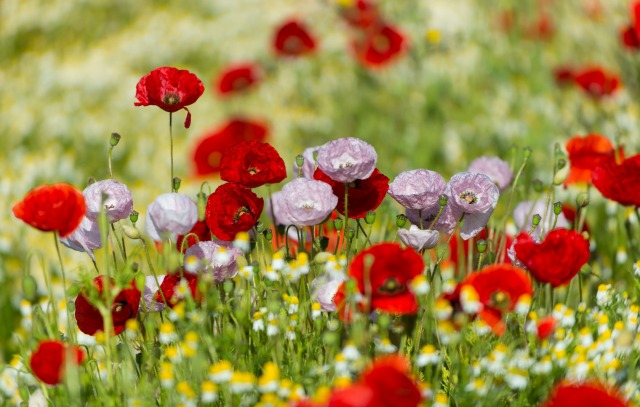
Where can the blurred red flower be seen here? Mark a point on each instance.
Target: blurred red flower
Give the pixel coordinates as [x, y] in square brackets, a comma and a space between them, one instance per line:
[49, 359]
[379, 45]
[170, 89]
[361, 14]
[252, 164]
[168, 288]
[586, 153]
[619, 182]
[596, 81]
[564, 75]
[208, 153]
[364, 195]
[292, 39]
[124, 307]
[584, 394]
[386, 383]
[383, 272]
[557, 259]
[58, 207]
[542, 29]
[630, 35]
[546, 327]
[232, 208]
[237, 78]
[201, 232]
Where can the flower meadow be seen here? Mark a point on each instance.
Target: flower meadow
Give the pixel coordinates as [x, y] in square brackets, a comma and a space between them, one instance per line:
[398, 204]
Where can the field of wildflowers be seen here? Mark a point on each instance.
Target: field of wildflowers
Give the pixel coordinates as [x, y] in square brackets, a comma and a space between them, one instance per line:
[320, 203]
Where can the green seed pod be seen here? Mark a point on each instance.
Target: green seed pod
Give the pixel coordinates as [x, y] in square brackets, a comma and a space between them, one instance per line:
[115, 139]
[134, 217]
[535, 221]
[337, 224]
[370, 218]
[176, 183]
[401, 220]
[481, 246]
[557, 208]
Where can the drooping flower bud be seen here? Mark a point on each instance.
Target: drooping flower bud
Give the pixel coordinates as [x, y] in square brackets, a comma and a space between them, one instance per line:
[115, 139]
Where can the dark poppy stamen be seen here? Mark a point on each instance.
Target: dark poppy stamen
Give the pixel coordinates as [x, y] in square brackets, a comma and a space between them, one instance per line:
[171, 99]
[242, 211]
[391, 286]
[470, 197]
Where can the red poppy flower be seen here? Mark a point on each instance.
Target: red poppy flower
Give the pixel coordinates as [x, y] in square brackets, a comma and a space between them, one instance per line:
[542, 29]
[387, 277]
[564, 75]
[629, 37]
[124, 307]
[364, 195]
[208, 153]
[201, 232]
[361, 14]
[231, 209]
[557, 259]
[292, 39]
[170, 89]
[237, 78]
[597, 82]
[49, 359]
[584, 394]
[49, 208]
[380, 45]
[619, 182]
[168, 288]
[499, 287]
[251, 163]
[570, 213]
[385, 383]
[587, 153]
[546, 326]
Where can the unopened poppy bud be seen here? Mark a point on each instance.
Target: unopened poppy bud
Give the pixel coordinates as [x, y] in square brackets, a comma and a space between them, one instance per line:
[481, 245]
[370, 217]
[299, 163]
[351, 233]
[228, 286]
[90, 181]
[557, 208]
[561, 175]
[538, 186]
[527, 152]
[131, 232]
[176, 183]
[401, 220]
[260, 227]
[337, 224]
[268, 234]
[442, 200]
[535, 221]
[582, 200]
[115, 139]
[140, 280]
[29, 288]
[561, 163]
[202, 205]
[134, 217]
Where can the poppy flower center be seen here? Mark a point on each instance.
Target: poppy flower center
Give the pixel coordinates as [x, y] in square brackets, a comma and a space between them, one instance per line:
[214, 159]
[381, 43]
[120, 307]
[391, 286]
[243, 210]
[171, 99]
[241, 83]
[306, 205]
[292, 45]
[253, 170]
[500, 300]
[470, 197]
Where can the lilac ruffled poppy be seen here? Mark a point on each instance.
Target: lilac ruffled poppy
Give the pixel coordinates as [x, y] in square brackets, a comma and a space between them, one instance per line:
[216, 257]
[419, 239]
[523, 217]
[417, 189]
[474, 195]
[309, 166]
[307, 202]
[496, 169]
[347, 159]
[151, 287]
[324, 288]
[446, 221]
[117, 205]
[86, 238]
[170, 215]
[275, 208]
